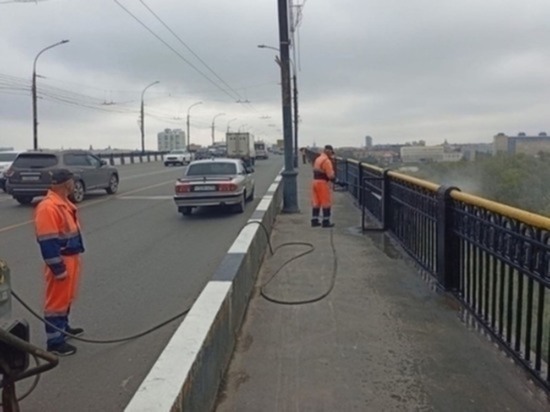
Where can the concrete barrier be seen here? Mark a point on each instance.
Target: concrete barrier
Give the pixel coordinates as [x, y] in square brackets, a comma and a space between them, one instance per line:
[188, 373]
[122, 158]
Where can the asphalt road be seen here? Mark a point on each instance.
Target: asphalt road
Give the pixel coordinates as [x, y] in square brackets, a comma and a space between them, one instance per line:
[144, 263]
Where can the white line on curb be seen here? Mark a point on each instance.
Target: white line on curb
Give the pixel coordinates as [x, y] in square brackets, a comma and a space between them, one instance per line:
[163, 384]
[243, 241]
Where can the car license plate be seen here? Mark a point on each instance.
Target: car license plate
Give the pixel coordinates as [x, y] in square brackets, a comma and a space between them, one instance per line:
[30, 178]
[205, 188]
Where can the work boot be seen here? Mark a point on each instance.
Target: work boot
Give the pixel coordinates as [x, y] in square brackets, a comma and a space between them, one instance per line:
[315, 223]
[74, 331]
[63, 349]
[327, 223]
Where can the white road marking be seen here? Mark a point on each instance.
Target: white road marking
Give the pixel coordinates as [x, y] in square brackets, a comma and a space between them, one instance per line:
[158, 172]
[145, 197]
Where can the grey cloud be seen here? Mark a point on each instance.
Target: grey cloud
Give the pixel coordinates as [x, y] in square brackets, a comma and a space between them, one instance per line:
[389, 68]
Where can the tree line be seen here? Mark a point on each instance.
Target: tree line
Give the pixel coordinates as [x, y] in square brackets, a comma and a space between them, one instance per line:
[521, 181]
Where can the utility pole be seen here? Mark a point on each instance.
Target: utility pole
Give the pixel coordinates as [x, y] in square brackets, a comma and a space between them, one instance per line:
[295, 118]
[295, 92]
[290, 190]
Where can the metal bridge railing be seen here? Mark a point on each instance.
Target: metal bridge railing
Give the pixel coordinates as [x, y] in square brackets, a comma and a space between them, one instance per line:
[493, 258]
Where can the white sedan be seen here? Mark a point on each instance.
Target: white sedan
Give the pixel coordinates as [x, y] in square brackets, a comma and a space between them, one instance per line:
[214, 182]
[177, 157]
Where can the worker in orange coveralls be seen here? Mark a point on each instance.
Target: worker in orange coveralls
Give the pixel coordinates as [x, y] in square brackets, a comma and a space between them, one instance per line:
[321, 196]
[58, 234]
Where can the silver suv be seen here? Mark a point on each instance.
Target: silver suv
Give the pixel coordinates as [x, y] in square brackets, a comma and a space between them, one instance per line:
[28, 176]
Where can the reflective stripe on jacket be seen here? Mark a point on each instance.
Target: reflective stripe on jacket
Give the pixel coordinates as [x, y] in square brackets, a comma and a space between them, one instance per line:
[322, 168]
[57, 231]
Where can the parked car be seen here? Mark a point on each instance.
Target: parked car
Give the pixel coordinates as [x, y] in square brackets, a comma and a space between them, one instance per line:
[28, 176]
[6, 159]
[214, 182]
[177, 157]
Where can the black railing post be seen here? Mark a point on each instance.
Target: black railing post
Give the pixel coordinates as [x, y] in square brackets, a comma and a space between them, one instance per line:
[112, 159]
[122, 161]
[363, 210]
[386, 200]
[347, 171]
[447, 243]
[359, 188]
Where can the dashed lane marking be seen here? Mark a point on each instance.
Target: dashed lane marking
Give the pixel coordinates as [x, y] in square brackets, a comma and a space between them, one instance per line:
[92, 203]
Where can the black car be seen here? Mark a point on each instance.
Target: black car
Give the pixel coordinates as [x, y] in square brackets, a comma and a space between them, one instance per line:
[28, 176]
[203, 154]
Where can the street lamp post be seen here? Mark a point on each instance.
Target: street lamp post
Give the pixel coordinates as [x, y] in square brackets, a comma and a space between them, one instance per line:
[188, 130]
[229, 122]
[34, 108]
[213, 132]
[295, 100]
[143, 117]
[290, 190]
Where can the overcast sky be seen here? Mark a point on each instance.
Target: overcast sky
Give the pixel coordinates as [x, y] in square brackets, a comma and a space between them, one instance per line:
[397, 70]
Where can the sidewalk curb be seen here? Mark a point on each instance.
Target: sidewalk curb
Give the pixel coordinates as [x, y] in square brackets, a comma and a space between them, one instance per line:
[188, 372]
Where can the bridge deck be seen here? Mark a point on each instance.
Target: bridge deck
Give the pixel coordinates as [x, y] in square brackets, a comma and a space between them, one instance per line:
[382, 340]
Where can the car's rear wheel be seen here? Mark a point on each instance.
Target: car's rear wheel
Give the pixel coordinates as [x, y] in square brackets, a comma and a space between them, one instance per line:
[251, 197]
[186, 210]
[78, 192]
[24, 200]
[239, 208]
[113, 185]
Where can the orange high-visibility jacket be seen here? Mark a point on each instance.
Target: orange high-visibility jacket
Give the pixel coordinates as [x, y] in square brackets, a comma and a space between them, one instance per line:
[323, 172]
[57, 232]
[322, 168]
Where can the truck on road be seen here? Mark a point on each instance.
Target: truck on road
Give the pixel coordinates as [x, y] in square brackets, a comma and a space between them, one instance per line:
[261, 150]
[240, 145]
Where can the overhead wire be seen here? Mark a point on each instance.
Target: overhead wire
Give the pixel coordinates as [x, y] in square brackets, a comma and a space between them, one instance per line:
[189, 48]
[175, 51]
[238, 99]
[13, 85]
[84, 101]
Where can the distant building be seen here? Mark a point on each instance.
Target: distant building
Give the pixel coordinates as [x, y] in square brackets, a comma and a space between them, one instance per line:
[521, 144]
[171, 140]
[473, 150]
[423, 154]
[368, 142]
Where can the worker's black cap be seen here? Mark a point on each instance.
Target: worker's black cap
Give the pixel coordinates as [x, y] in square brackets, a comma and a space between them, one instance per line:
[60, 176]
[329, 147]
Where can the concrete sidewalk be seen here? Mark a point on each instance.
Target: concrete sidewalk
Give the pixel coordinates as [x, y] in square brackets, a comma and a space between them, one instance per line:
[383, 340]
